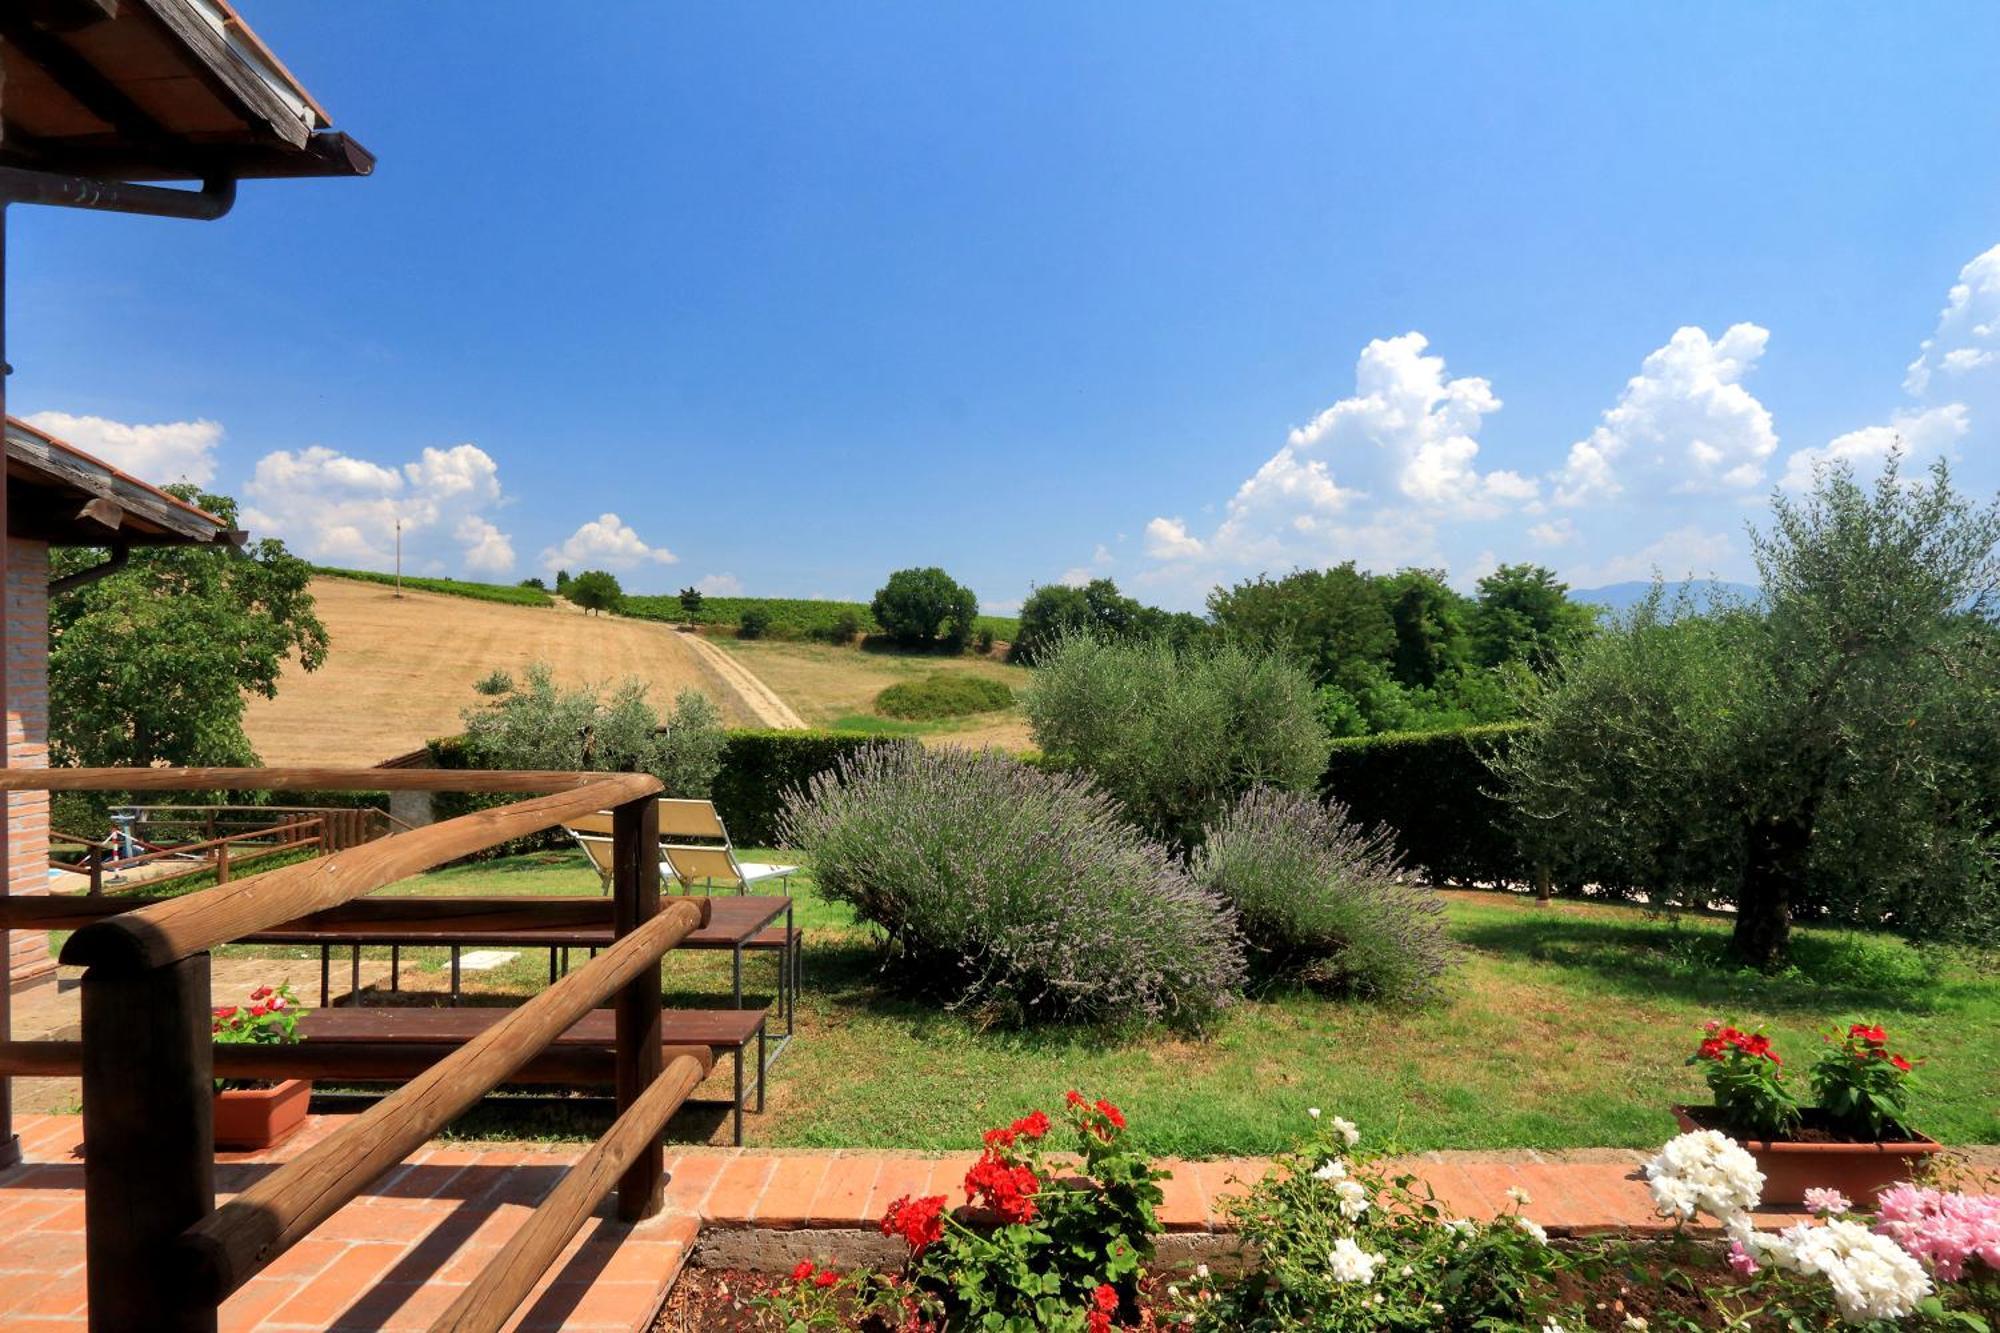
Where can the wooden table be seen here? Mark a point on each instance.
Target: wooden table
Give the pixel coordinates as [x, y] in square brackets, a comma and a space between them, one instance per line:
[735, 923]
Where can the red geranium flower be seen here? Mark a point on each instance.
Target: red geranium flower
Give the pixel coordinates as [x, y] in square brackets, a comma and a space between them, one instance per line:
[1007, 1190]
[1033, 1125]
[1075, 1098]
[826, 1279]
[1874, 1036]
[1106, 1297]
[1111, 1113]
[1900, 1063]
[918, 1221]
[803, 1271]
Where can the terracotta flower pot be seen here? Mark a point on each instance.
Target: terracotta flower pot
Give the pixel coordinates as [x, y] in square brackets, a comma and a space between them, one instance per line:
[247, 1118]
[1861, 1171]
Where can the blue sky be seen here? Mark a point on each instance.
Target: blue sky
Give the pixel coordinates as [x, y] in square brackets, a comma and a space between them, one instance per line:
[799, 294]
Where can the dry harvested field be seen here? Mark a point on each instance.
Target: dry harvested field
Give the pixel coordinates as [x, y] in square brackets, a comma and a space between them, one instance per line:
[400, 672]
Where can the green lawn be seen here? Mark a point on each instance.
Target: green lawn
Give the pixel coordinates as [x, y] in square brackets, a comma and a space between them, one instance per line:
[1566, 1027]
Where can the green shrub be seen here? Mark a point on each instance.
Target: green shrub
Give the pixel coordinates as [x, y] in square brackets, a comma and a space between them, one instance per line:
[1176, 736]
[1323, 900]
[1434, 793]
[759, 768]
[509, 594]
[943, 694]
[541, 726]
[844, 628]
[1013, 893]
[752, 623]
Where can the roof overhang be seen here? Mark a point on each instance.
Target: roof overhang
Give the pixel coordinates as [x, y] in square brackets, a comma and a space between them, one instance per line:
[60, 495]
[138, 90]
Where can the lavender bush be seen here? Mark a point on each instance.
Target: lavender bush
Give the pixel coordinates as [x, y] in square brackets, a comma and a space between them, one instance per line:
[1323, 900]
[1014, 893]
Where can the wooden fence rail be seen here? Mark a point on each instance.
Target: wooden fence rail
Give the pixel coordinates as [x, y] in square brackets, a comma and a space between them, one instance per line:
[160, 1254]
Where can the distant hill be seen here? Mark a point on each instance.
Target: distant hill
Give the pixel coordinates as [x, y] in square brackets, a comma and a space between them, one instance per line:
[1703, 592]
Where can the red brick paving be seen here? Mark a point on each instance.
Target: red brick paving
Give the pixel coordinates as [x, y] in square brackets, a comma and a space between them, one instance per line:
[395, 1258]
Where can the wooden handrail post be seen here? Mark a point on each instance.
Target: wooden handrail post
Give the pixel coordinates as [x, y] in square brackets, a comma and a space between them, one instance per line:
[96, 867]
[222, 863]
[635, 896]
[148, 1129]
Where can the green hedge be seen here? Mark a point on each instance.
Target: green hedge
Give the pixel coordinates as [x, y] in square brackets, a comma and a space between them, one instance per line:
[1434, 791]
[480, 592]
[759, 767]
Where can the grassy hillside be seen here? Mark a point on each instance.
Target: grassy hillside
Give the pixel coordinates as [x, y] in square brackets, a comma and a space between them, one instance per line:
[793, 618]
[839, 688]
[506, 593]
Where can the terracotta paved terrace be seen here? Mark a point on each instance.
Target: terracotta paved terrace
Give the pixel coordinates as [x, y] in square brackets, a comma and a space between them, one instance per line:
[396, 1257]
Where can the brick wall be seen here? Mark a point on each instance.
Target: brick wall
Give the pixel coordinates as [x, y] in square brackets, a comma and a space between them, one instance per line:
[27, 745]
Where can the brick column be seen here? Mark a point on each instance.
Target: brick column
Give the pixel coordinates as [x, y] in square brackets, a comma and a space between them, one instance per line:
[28, 747]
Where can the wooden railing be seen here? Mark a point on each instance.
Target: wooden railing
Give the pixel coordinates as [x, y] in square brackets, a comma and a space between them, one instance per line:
[159, 826]
[160, 1254]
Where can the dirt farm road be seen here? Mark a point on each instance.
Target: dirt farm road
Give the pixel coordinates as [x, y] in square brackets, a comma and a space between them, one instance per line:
[401, 671]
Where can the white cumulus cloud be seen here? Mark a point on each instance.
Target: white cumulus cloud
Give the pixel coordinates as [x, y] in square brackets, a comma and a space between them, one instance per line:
[1967, 338]
[1684, 422]
[1554, 532]
[335, 507]
[719, 585]
[605, 542]
[1369, 478]
[1920, 434]
[161, 453]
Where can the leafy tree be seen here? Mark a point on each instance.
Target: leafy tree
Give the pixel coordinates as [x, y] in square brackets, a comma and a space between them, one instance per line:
[151, 665]
[1176, 736]
[753, 623]
[1828, 752]
[562, 579]
[540, 725]
[690, 602]
[920, 607]
[1099, 609]
[1333, 620]
[595, 590]
[1525, 615]
[534, 581]
[1429, 617]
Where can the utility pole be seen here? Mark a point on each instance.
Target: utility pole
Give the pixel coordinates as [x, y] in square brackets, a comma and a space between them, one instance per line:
[399, 557]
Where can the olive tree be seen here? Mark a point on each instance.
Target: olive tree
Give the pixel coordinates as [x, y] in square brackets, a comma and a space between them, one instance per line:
[541, 726]
[1826, 752]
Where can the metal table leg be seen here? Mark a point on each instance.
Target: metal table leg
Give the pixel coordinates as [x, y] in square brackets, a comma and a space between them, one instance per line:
[354, 977]
[762, 1068]
[736, 1107]
[736, 974]
[325, 973]
[454, 975]
[395, 967]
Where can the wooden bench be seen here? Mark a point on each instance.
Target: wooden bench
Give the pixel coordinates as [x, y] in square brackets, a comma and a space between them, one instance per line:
[390, 1045]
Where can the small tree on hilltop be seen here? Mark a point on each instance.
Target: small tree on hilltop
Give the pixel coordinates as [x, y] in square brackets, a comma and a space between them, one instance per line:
[1828, 752]
[595, 591]
[690, 602]
[920, 607]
